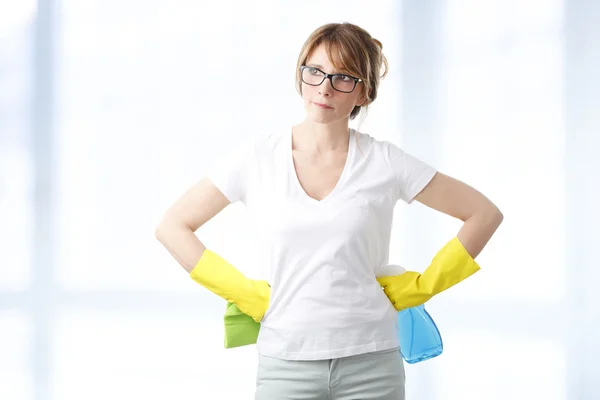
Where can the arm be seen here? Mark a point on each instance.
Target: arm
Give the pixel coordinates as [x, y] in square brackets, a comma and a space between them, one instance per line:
[455, 261]
[452, 197]
[177, 233]
[176, 230]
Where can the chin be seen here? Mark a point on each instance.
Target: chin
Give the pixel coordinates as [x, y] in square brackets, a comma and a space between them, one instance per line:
[320, 118]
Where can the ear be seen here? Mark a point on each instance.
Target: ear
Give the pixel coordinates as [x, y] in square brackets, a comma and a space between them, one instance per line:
[362, 99]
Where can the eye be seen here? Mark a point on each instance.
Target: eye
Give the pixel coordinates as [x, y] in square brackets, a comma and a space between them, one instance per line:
[345, 78]
[313, 71]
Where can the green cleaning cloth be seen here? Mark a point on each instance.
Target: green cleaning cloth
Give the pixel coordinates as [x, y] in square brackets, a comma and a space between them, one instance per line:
[240, 329]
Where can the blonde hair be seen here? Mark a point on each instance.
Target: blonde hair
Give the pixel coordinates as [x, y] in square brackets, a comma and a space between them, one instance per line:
[352, 50]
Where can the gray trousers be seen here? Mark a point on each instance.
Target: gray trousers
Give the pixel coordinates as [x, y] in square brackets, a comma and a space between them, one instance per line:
[371, 376]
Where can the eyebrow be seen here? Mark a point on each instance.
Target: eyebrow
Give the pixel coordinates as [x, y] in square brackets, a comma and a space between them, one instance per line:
[321, 67]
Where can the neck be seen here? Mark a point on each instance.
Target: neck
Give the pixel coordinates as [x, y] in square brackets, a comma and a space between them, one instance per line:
[321, 138]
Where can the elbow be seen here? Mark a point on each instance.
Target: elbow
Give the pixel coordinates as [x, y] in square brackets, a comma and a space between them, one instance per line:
[160, 233]
[163, 230]
[497, 215]
[489, 215]
[492, 218]
[500, 217]
[169, 230]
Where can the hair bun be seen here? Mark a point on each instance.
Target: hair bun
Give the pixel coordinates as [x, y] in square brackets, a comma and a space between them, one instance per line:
[378, 43]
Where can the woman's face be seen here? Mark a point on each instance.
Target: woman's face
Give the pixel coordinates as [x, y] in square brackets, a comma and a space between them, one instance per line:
[324, 104]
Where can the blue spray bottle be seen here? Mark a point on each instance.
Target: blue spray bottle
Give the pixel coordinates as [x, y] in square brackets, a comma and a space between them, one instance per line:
[419, 336]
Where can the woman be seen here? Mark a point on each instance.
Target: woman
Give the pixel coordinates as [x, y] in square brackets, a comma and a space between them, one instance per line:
[322, 196]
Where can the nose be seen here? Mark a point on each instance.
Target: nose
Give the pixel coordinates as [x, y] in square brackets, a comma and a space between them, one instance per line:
[325, 89]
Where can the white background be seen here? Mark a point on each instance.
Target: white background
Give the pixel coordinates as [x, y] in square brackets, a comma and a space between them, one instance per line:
[110, 110]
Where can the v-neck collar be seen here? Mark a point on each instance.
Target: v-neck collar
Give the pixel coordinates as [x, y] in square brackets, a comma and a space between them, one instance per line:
[305, 197]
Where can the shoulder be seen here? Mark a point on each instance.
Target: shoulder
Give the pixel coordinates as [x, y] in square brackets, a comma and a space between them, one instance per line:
[259, 144]
[399, 161]
[268, 141]
[380, 149]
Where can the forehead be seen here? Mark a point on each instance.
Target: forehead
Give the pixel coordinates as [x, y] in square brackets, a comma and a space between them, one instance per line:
[320, 58]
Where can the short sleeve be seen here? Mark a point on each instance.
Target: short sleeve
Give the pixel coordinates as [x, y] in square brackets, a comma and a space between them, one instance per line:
[411, 175]
[231, 172]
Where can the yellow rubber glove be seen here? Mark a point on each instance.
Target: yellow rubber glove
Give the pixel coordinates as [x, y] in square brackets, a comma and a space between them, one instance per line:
[220, 277]
[451, 265]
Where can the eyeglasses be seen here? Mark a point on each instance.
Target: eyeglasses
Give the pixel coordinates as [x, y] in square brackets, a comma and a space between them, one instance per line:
[342, 83]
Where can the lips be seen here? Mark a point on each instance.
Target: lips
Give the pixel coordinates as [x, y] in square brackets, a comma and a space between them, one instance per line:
[323, 106]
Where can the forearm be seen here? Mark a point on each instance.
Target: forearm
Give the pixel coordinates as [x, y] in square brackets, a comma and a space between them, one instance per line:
[213, 272]
[182, 243]
[479, 228]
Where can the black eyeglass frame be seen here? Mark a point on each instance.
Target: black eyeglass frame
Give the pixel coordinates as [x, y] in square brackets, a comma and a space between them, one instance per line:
[328, 76]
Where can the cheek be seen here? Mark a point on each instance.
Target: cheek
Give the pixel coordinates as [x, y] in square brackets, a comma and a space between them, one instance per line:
[348, 104]
[308, 91]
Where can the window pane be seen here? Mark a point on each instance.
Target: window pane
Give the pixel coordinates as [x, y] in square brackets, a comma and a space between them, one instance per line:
[147, 356]
[502, 112]
[15, 350]
[16, 214]
[130, 99]
[16, 168]
[473, 23]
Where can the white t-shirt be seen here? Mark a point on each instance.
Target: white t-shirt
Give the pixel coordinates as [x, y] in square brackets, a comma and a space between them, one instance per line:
[321, 257]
